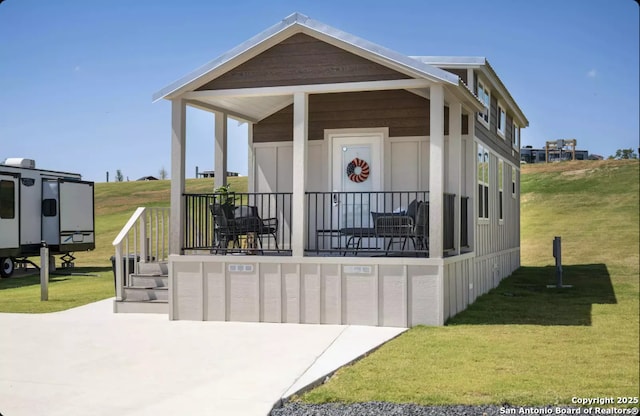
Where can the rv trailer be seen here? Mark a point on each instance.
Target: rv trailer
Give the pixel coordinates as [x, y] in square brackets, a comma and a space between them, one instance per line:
[42, 206]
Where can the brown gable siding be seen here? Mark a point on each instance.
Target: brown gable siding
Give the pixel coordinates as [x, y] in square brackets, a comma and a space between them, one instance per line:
[404, 113]
[298, 60]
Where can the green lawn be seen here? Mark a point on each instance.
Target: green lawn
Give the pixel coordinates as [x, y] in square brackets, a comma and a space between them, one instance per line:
[523, 343]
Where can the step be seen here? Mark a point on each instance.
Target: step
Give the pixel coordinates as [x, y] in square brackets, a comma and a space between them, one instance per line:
[149, 306]
[147, 280]
[153, 268]
[137, 293]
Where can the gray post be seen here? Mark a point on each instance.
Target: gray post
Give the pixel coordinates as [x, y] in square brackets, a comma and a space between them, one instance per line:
[44, 272]
[557, 253]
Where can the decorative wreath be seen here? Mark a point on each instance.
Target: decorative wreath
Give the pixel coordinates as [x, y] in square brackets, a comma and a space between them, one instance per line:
[358, 170]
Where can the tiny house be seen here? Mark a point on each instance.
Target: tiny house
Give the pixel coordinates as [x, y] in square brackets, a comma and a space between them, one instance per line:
[39, 206]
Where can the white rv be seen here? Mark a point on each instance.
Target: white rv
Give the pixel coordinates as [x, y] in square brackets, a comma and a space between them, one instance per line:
[39, 206]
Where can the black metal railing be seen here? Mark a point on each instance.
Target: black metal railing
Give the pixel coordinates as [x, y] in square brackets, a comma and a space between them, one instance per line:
[464, 222]
[238, 222]
[367, 223]
[449, 222]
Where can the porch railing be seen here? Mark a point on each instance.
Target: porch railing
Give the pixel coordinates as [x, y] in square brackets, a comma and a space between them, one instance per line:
[144, 238]
[238, 222]
[464, 222]
[449, 218]
[369, 223]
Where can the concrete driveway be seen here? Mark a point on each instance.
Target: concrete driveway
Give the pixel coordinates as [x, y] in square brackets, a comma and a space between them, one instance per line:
[90, 361]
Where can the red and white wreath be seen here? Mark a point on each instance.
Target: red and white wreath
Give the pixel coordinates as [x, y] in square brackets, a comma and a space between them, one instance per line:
[358, 170]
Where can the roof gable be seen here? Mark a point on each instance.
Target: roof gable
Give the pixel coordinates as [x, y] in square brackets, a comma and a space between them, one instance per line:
[302, 59]
[298, 23]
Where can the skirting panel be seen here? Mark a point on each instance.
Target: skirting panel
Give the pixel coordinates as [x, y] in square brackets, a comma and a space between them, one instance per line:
[312, 292]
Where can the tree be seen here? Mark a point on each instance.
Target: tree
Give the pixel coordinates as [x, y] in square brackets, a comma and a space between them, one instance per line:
[119, 176]
[625, 154]
[163, 173]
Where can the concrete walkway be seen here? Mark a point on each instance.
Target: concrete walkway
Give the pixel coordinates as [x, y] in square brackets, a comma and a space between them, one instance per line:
[90, 361]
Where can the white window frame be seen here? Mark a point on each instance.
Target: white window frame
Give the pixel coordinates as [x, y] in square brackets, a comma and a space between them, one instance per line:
[501, 121]
[514, 180]
[483, 162]
[484, 94]
[515, 136]
[500, 184]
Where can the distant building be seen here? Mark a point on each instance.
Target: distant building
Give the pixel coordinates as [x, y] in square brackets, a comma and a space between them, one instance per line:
[530, 155]
[148, 178]
[212, 174]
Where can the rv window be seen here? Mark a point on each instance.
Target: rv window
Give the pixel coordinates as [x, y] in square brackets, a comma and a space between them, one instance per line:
[7, 199]
[49, 208]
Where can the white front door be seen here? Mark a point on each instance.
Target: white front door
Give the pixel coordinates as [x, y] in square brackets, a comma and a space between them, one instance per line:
[9, 211]
[356, 170]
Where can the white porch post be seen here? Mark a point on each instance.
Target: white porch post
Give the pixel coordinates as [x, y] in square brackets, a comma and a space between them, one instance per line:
[178, 143]
[436, 169]
[298, 202]
[454, 166]
[221, 149]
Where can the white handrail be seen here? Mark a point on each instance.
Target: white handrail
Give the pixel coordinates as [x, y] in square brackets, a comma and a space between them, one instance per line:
[146, 229]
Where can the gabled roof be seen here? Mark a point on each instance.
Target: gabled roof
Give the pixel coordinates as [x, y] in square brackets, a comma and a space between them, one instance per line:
[481, 63]
[299, 23]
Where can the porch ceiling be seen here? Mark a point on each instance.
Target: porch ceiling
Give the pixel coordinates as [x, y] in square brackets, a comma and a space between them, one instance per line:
[252, 109]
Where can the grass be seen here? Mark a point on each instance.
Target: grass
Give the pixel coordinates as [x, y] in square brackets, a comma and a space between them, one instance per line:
[522, 343]
[68, 288]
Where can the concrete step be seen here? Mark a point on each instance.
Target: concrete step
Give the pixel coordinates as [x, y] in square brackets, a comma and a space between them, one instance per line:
[153, 268]
[137, 293]
[148, 306]
[145, 280]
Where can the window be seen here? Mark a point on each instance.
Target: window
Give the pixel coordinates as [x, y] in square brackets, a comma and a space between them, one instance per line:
[502, 120]
[485, 96]
[483, 182]
[500, 187]
[515, 136]
[513, 182]
[49, 207]
[7, 199]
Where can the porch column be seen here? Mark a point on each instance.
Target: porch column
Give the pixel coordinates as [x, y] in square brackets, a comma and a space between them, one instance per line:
[178, 144]
[298, 202]
[220, 149]
[454, 166]
[436, 169]
[471, 180]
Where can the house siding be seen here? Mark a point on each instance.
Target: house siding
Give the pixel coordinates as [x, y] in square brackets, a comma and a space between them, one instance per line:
[301, 60]
[404, 113]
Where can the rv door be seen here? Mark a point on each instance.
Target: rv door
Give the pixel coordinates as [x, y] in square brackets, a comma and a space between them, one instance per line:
[9, 214]
[77, 231]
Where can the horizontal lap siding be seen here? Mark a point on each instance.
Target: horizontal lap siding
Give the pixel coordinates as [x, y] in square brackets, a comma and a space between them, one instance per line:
[405, 114]
[301, 60]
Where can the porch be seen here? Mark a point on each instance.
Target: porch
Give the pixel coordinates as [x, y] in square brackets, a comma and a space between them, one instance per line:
[348, 224]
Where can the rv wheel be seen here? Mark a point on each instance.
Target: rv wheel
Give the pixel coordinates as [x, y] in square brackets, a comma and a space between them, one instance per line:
[7, 266]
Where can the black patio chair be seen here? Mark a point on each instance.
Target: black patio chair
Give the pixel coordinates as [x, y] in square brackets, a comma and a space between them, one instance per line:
[248, 222]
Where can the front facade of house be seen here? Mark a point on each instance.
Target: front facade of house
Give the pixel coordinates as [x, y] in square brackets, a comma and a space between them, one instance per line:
[347, 140]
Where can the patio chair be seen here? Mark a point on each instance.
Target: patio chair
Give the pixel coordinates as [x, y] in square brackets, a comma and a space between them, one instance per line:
[225, 230]
[397, 228]
[248, 222]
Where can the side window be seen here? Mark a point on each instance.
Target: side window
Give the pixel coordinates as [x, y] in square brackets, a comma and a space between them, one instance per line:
[502, 121]
[485, 96]
[7, 199]
[500, 189]
[515, 137]
[483, 182]
[514, 187]
[49, 207]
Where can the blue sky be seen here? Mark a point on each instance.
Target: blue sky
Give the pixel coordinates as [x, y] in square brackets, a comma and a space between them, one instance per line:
[76, 77]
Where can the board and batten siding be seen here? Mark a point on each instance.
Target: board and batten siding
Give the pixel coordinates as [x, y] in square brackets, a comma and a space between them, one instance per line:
[302, 60]
[312, 290]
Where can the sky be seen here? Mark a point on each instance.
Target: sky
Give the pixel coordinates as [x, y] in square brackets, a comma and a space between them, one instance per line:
[77, 77]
